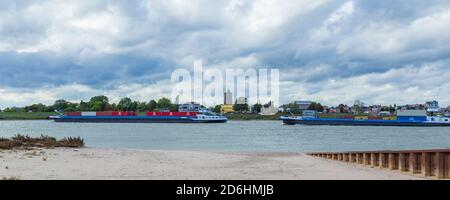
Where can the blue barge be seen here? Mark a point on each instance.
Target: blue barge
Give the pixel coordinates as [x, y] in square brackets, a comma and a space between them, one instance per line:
[403, 118]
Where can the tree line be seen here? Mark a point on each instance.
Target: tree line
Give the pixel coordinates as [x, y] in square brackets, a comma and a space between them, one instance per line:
[99, 103]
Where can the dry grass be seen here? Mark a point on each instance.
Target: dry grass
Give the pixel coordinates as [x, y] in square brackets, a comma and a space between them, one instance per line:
[12, 178]
[44, 141]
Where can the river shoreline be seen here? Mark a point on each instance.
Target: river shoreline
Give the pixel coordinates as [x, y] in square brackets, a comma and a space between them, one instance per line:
[99, 163]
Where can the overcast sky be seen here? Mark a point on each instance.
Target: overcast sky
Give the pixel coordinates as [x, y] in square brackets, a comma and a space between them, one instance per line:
[381, 52]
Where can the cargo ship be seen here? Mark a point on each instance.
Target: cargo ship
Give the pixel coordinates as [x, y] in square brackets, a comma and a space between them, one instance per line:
[403, 118]
[133, 117]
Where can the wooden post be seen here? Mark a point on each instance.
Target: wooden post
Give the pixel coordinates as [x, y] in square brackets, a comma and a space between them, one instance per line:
[441, 165]
[335, 157]
[352, 157]
[375, 161]
[360, 158]
[403, 162]
[415, 165]
[346, 157]
[383, 160]
[393, 162]
[340, 157]
[366, 158]
[426, 164]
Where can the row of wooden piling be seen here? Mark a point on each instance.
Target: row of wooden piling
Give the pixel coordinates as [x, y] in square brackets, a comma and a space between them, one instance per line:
[428, 163]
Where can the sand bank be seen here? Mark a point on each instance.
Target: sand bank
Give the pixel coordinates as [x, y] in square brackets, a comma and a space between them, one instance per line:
[94, 163]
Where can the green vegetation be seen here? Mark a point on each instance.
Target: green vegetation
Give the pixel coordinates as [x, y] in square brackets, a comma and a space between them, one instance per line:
[25, 115]
[251, 116]
[240, 107]
[97, 103]
[44, 141]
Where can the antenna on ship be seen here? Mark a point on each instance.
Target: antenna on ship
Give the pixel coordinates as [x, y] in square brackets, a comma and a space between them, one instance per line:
[289, 110]
[60, 113]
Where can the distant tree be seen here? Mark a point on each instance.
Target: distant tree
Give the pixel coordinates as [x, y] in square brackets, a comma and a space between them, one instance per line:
[70, 109]
[240, 107]
[114, 106]
[60, 104]
[142, 106]
[8, 110]
[134, 106]
[291, 108]
[49, 109]
[71, 106]
[83, 106]
[125, 104]
[256, 108]
[36, 108]
[164, 103]
[152, 105]
[108, 107]
[217, 109]
[96, 106]
[316, 106]
[98, 102]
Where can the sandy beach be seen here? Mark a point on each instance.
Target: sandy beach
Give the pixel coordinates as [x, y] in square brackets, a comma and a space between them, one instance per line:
[94, 163]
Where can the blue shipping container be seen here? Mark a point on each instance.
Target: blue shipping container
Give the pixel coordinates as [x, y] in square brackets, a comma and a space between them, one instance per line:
[412, 118]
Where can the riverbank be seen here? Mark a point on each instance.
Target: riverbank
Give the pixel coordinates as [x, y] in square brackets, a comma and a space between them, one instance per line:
[25, 115]
[230, 116]
[94, 163]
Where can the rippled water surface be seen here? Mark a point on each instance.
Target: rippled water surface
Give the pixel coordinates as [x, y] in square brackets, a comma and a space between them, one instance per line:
[267, 136]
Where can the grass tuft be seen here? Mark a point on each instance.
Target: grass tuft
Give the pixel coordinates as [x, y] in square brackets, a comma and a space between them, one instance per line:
[44, 141]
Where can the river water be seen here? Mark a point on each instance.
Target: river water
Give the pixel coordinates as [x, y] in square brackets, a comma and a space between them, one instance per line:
[243, 136]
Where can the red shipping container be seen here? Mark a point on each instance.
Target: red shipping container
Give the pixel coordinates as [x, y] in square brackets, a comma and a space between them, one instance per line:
[73, 114]
[119, 113]
[105, 113]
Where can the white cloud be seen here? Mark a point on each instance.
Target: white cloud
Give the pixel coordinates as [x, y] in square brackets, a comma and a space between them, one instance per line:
[401, 86]
[324, 46]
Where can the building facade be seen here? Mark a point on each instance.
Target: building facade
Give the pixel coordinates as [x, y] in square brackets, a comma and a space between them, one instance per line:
[241, 100]
[228, 98]
[303, 105]
[226, 108]
[189, 107]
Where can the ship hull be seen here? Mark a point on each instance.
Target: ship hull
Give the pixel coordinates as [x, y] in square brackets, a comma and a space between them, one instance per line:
[344, 122]
[136, 120]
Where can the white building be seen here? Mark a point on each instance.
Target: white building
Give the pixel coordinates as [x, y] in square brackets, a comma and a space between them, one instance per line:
[303, 105]
[269, 109]
[241, 100]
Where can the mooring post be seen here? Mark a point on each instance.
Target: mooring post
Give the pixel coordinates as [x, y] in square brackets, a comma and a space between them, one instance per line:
[415, 161]
[352, 157]
[440, 165]
[346, 157]
[366, 158]
[383, 160]
[393, 163]
[403, 162]
[360, 158]
[374, 159]
[426, 164]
